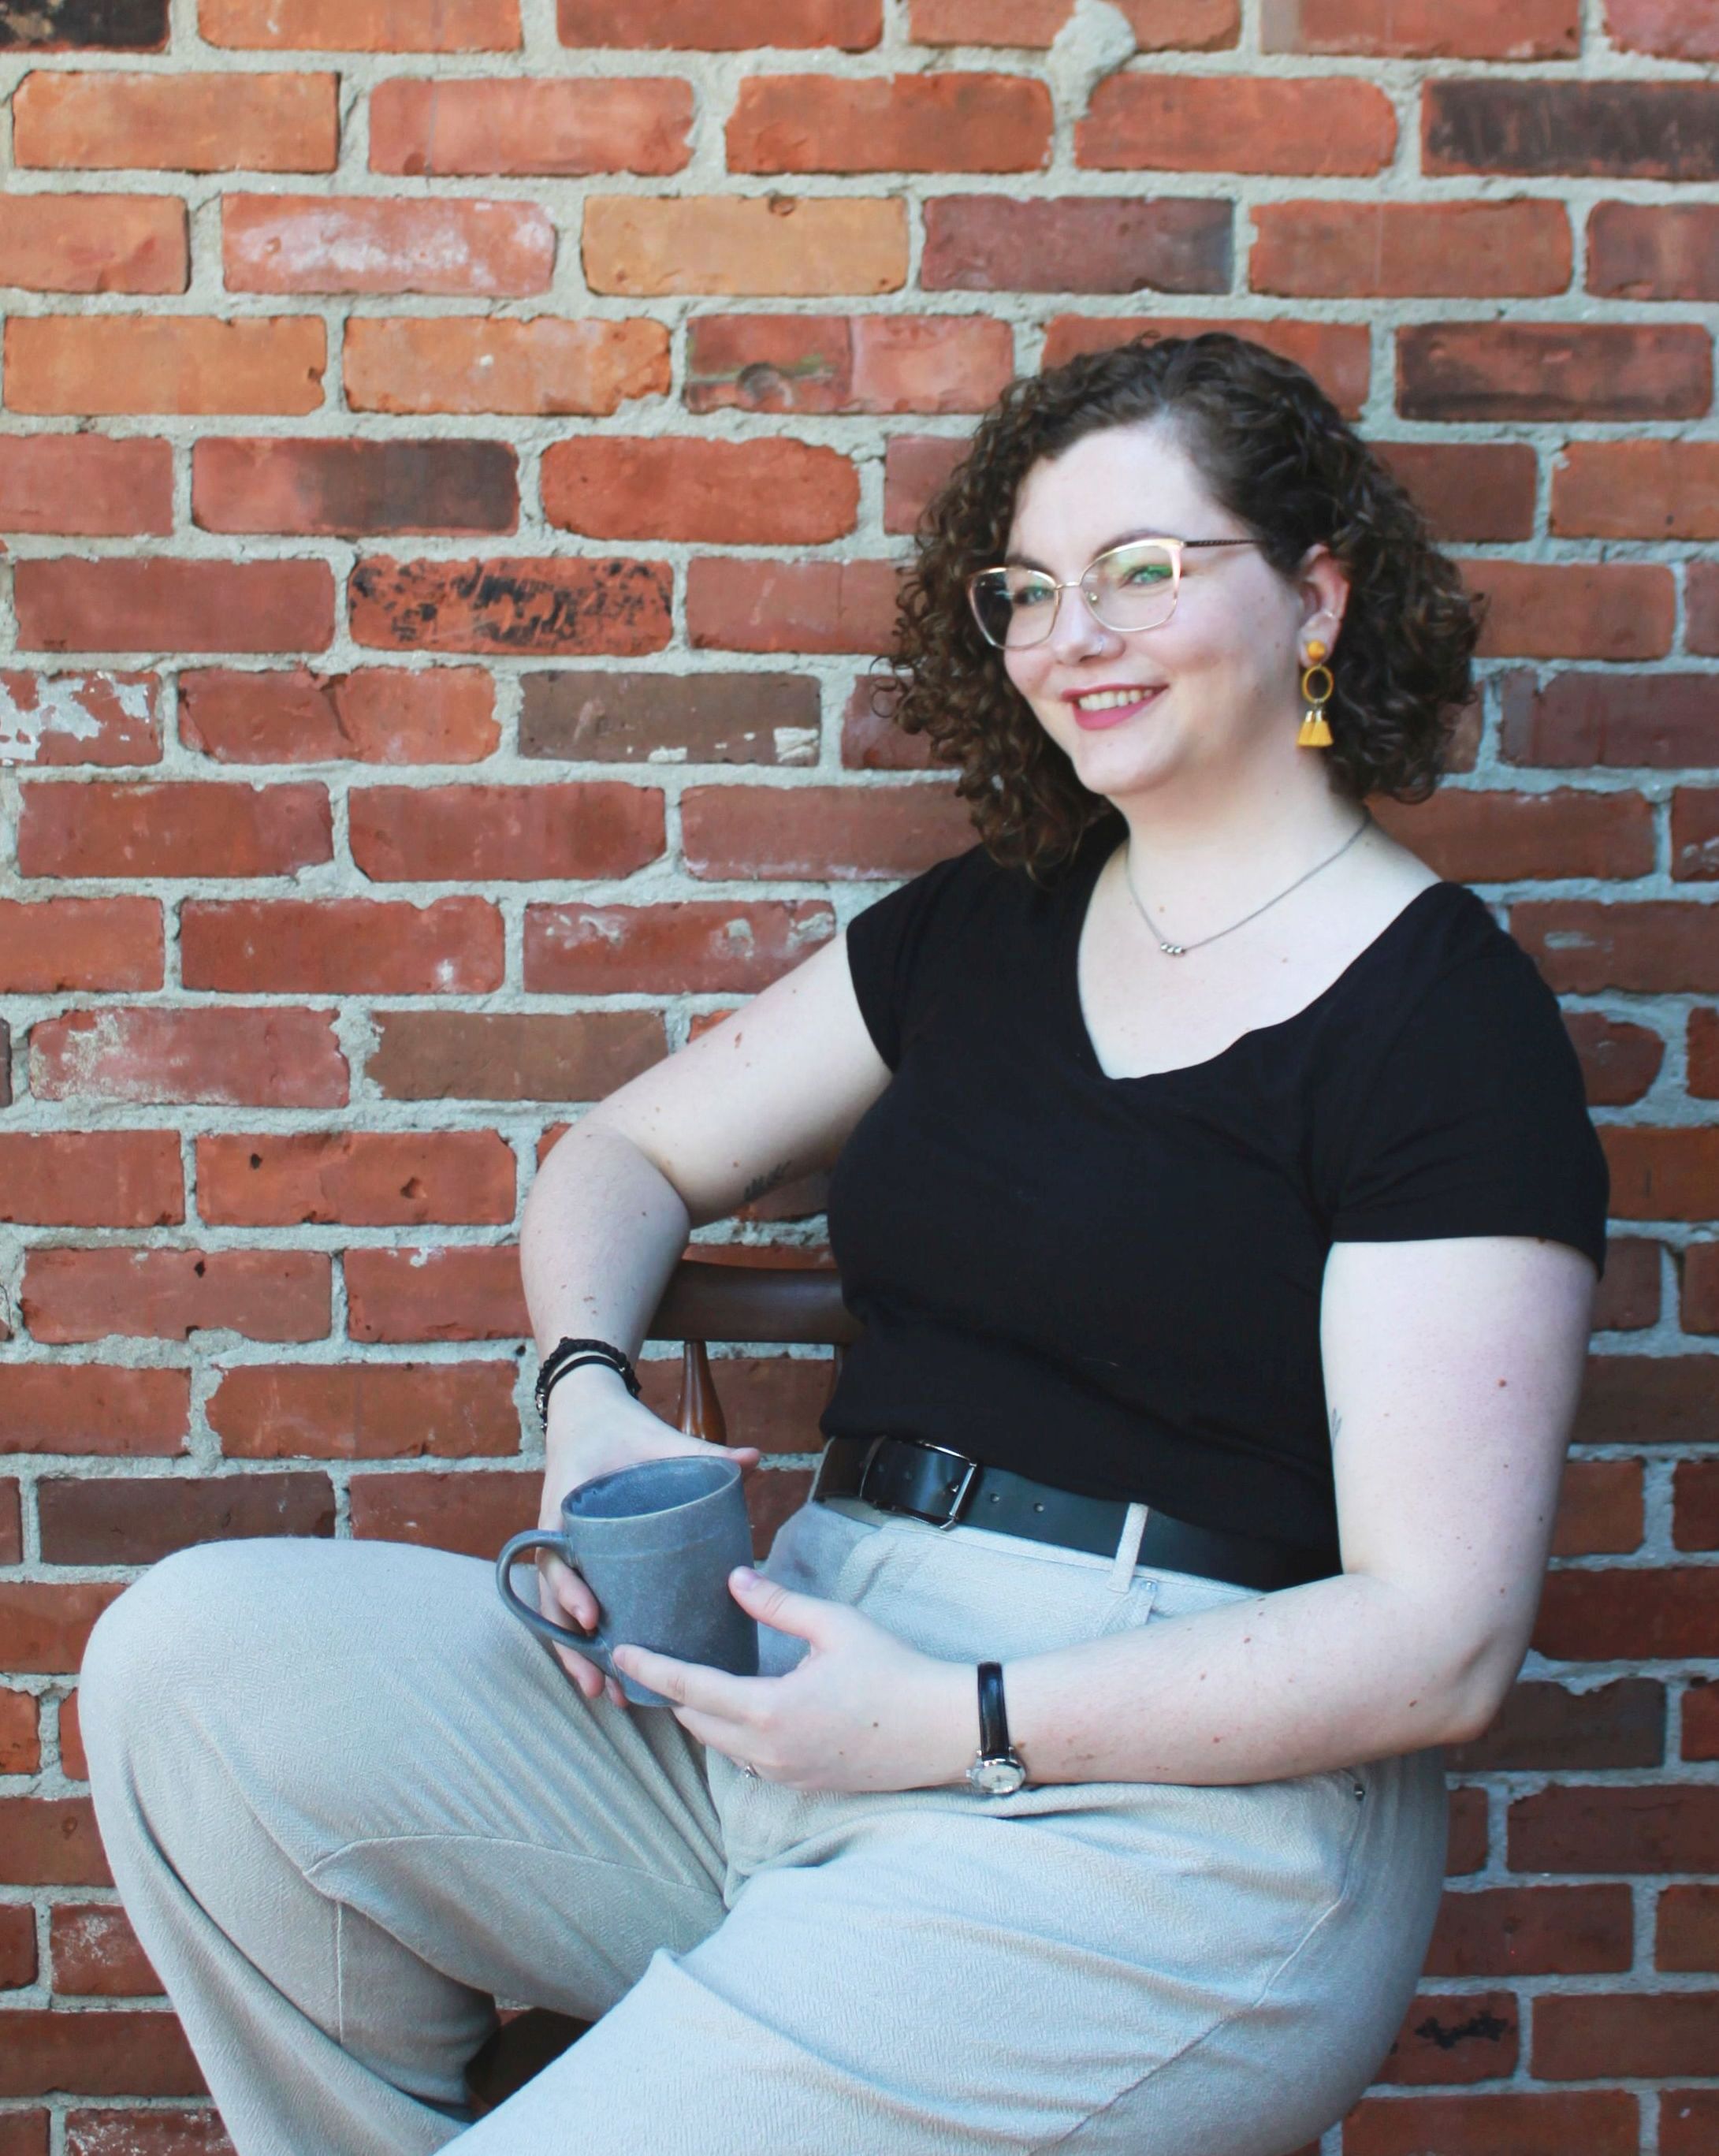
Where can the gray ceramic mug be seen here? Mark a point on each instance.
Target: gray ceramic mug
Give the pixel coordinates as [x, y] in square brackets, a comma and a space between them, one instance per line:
[655, 1543]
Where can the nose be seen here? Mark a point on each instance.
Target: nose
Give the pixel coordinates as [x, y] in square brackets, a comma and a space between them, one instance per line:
[1077, 632]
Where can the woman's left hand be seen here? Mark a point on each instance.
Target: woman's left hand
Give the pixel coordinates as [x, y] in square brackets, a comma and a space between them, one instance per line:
[861, 1711]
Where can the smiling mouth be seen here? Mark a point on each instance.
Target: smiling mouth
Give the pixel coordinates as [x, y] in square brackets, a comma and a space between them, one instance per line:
[1105, 707]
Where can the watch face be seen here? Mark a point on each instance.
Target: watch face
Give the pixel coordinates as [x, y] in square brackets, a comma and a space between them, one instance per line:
[997, 1777]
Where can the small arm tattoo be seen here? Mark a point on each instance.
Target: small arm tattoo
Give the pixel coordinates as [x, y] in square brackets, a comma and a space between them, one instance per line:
[772, 1179]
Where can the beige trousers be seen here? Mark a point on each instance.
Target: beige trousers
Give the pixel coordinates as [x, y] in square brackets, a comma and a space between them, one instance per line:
[349, 1803]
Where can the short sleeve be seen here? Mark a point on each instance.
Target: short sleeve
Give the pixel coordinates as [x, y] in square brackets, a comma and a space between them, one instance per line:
[1474, 1123]
[897, 945]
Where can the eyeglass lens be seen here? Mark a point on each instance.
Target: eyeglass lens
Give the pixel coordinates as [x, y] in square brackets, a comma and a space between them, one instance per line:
[1130, 587]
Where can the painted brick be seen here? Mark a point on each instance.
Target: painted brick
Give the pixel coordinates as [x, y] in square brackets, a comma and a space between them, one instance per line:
[112, 828]
[91, 1178]
[141, 1519]
[1081, 243]
[511, 1055]
[1676, 29]
[878, 364]
[924, 123]
[467, 1292]
[543, 367]
[121, 605]
[708, 946]
[585, 715]
[1477, 837]
[1663, 1174]
[511, 607]
[1644, 489]
[738, 26]
[177, 122]
[1466, 2037]
[341, 947]
[1547, 1728]
[348, 489]
[1694, 833]
[269, 1057]
[354, 243]
[1424, 29]
[1600, 1508]
[96, 1954]
[761, 493]
[1518, 2122]
[840, 833]
[93, 1408]
[73, 1295]
[735, 605]
[1639, 1400]
[44, 1630]
[20, 1744]
[365, 1411]
[1396, 250]
[141, 2053]
[367, 26]
[1554, 371]
[370, 1178]
[651, 247]
[508, 832]
[1329, 126]
[1337, 355]
[95, 243]
[60, 719]
[1638, 131]
[473, 1511]
[1577, 718]
[1695, 1485]
[1575, 610]
[563, 126]
[85, 485]
[1533, 1931]
[373, 715]
[82, 364]
[126, 26]
[1596, 2033]
[1662, 251]
[1619, 1061]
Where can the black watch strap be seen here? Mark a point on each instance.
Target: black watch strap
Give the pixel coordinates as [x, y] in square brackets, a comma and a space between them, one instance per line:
[993, 1718]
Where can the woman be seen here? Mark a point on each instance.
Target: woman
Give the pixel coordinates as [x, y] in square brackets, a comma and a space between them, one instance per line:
[1215, 1185]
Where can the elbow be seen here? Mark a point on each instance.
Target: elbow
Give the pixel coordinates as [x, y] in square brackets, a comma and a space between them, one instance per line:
[1477, 1687]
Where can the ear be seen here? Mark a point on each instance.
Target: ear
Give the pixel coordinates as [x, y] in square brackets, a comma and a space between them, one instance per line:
[1322, 584]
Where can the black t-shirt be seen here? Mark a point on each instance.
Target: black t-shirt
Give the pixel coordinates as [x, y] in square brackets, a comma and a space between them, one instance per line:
[1113, 1284]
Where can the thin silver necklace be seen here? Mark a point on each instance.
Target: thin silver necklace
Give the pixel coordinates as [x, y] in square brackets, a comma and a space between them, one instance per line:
[1181, 950]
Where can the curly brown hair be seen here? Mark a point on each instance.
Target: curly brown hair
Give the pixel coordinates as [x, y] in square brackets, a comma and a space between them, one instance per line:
[1275, 451]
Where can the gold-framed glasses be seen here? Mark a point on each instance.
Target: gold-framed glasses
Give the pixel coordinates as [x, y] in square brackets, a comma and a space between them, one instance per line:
[1128, 587]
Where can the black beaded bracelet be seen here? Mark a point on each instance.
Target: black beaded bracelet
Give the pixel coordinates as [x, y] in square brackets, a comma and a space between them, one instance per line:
[569, 1354]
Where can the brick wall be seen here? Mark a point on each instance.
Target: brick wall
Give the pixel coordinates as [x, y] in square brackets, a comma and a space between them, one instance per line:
[452, 460]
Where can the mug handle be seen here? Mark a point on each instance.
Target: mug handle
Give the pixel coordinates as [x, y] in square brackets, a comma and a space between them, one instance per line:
[591, 1645]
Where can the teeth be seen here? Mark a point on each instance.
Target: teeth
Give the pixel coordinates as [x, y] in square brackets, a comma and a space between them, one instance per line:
[1110, 699]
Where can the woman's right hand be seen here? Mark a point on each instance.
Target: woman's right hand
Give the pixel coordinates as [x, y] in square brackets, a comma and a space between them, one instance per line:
[595, 1426]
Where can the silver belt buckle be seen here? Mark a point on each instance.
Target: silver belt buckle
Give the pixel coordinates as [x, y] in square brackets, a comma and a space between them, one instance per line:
[972, 1467]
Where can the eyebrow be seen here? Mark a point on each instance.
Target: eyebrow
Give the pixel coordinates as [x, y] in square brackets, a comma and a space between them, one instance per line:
[1124, 539]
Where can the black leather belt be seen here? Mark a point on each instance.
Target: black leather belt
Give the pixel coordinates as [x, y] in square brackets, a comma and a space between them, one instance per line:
[946, 1488]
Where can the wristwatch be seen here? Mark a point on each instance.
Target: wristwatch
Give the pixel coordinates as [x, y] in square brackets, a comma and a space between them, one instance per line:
[999, 1770]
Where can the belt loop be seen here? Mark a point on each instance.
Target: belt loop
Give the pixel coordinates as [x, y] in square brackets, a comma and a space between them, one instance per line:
[1128, 1549]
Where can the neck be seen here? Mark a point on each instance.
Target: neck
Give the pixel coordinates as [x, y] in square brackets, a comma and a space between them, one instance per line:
[1192, 845]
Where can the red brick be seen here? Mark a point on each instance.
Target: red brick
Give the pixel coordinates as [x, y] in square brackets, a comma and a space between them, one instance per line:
[1466, 1845]
[469, 1292]
[120, 605]
[841, 833]
[12, 1547]
[44, 1630]
[91, 1178]
[768, 492]
[112, 828]
[365, 1411]
[1002, 22]
[949, 122]
[153, 2132]
[1619, 1061]
[698, 946]
[1468, 490]
[1629, 1614]
[1694, 833]
[1701, 595]
[141, 1519]
[264, 1057]
[1663, 1174]
[1700, 1311]
[545, 367]
[1676, 29]
[1424, 29]
[177, 122]
[20, 1746]
[1533, 1931]
[1643, 1400]
[1654, 251]
[363, 26]
[1639, 130]
[1464, 2037]
[562, 125]
[1395, 250]
[916, 467]
[1602, 2033]
[1644, 490]
[1077, 244]
[95, 243]
[1700, 1733]
[847, 363]
[1660, 1828]
[512, 606]
[18, 1945]
[1688, 1928]
[59, 719]
[1629, 1296]
[86, 484]
[1337, 355]
[1578, 718]
[585, 715]
[72, 1294]
[347, 489]
[1225, 123]
[473, 1511]
[511, 1055]
[795, 247]
[1547, 1728]
[406, 833]
[1600, 1508]
[368, 243]
[93, 1408]
[1695, 1484]
[96, 1954]
[1473, 836]
[373, 715]
[371, 1178]
[1522, 2123]
[737, 605]
[1689, 2122]
[1575, 610]
[1703, 1045]
[140, 2054]
[85, 364]
[738, 26]
[1553, 370]
[71, 1741]
[1654, 947]
[342, 946]
[109, 25]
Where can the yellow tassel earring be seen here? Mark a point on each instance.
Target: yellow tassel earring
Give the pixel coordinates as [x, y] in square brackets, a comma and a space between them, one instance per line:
[1316, 694]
